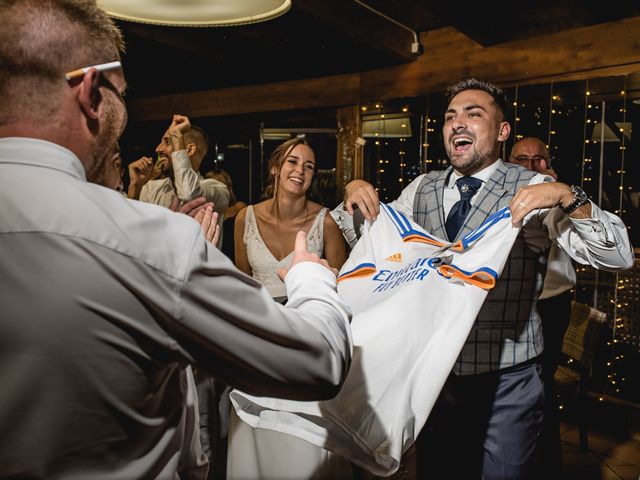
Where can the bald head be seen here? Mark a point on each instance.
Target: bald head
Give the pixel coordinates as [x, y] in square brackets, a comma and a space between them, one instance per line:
[531, 153]
[41, 40]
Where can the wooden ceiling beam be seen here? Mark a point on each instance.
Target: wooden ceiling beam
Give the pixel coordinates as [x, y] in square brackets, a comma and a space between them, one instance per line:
[292, 95]
[358, 22]
[585, 52]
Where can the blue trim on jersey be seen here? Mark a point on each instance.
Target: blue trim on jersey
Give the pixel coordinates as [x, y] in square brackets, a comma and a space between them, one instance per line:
[397, 219]
[476, 234]
[403, 225]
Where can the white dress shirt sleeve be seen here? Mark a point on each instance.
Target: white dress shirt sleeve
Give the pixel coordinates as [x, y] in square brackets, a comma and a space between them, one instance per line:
[190, 184]
[601, 241]
[230, 326]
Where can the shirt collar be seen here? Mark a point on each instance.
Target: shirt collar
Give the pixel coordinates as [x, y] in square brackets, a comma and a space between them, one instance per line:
[484, 175]
[40, 153]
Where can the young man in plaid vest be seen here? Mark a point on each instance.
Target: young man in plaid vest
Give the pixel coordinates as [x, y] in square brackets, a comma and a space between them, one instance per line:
[489, 414]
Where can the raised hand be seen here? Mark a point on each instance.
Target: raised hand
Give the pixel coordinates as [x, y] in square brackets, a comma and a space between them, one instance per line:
[180, 124]
[140, 170]
[300, 254]
[139, 174]
[362, 194]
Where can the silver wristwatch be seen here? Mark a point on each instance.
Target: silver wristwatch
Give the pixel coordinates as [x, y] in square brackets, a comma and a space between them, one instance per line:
[579, 198]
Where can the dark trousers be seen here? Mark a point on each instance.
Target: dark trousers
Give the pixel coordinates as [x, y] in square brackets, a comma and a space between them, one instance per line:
[484, 426]
[555, 313]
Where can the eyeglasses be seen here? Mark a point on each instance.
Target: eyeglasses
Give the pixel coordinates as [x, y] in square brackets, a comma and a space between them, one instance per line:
[104, 81]
[526, 159]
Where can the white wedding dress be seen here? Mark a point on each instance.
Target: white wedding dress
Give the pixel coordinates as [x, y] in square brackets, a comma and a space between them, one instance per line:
[263, 263]
[264, 454]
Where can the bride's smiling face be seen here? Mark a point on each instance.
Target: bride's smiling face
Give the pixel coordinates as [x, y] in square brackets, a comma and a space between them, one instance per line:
[296, 172]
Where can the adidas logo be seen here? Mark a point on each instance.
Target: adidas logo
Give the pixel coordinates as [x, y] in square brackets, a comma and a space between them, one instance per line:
[396, 257]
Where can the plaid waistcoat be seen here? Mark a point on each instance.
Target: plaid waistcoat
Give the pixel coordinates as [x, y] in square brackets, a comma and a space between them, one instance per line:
[507, 330]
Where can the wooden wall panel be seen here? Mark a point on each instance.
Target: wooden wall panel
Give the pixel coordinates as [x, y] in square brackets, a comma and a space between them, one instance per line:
[300, 94]
[349, 154]
[581, 53]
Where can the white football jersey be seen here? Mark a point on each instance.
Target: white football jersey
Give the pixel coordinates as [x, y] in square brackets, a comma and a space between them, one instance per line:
[414, 298]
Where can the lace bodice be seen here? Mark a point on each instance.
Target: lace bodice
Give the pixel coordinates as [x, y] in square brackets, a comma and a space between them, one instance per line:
[263, 264]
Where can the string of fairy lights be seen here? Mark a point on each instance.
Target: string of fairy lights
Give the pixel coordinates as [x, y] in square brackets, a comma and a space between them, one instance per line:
[615, 381]
[619, 299]
[623, 291]
[623, 282]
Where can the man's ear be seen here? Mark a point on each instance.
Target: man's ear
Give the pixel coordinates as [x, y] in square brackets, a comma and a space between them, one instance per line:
[191, 149]
[504, 131]
[89, 95]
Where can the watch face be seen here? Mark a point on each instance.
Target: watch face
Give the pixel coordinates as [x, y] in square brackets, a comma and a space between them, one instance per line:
[579, 198]
[580, 194]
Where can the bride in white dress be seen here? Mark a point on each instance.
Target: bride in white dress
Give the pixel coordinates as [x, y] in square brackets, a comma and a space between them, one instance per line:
[264, 240]
[265, 233]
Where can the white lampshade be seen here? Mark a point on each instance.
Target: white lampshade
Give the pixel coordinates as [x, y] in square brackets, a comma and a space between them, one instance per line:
[195, 13]
[394, 125]
[609, 135]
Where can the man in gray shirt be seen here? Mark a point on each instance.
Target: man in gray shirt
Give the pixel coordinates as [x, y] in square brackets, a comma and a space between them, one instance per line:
[104, 301]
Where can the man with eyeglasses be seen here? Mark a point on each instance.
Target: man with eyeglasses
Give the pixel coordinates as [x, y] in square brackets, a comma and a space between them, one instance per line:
[105, 301]
[554, 307]
[532, 154]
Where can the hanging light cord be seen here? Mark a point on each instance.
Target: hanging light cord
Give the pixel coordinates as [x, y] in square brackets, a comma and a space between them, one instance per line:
[415, 35]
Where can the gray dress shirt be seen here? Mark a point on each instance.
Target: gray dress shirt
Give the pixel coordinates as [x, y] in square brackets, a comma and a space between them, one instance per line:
[105, 302]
